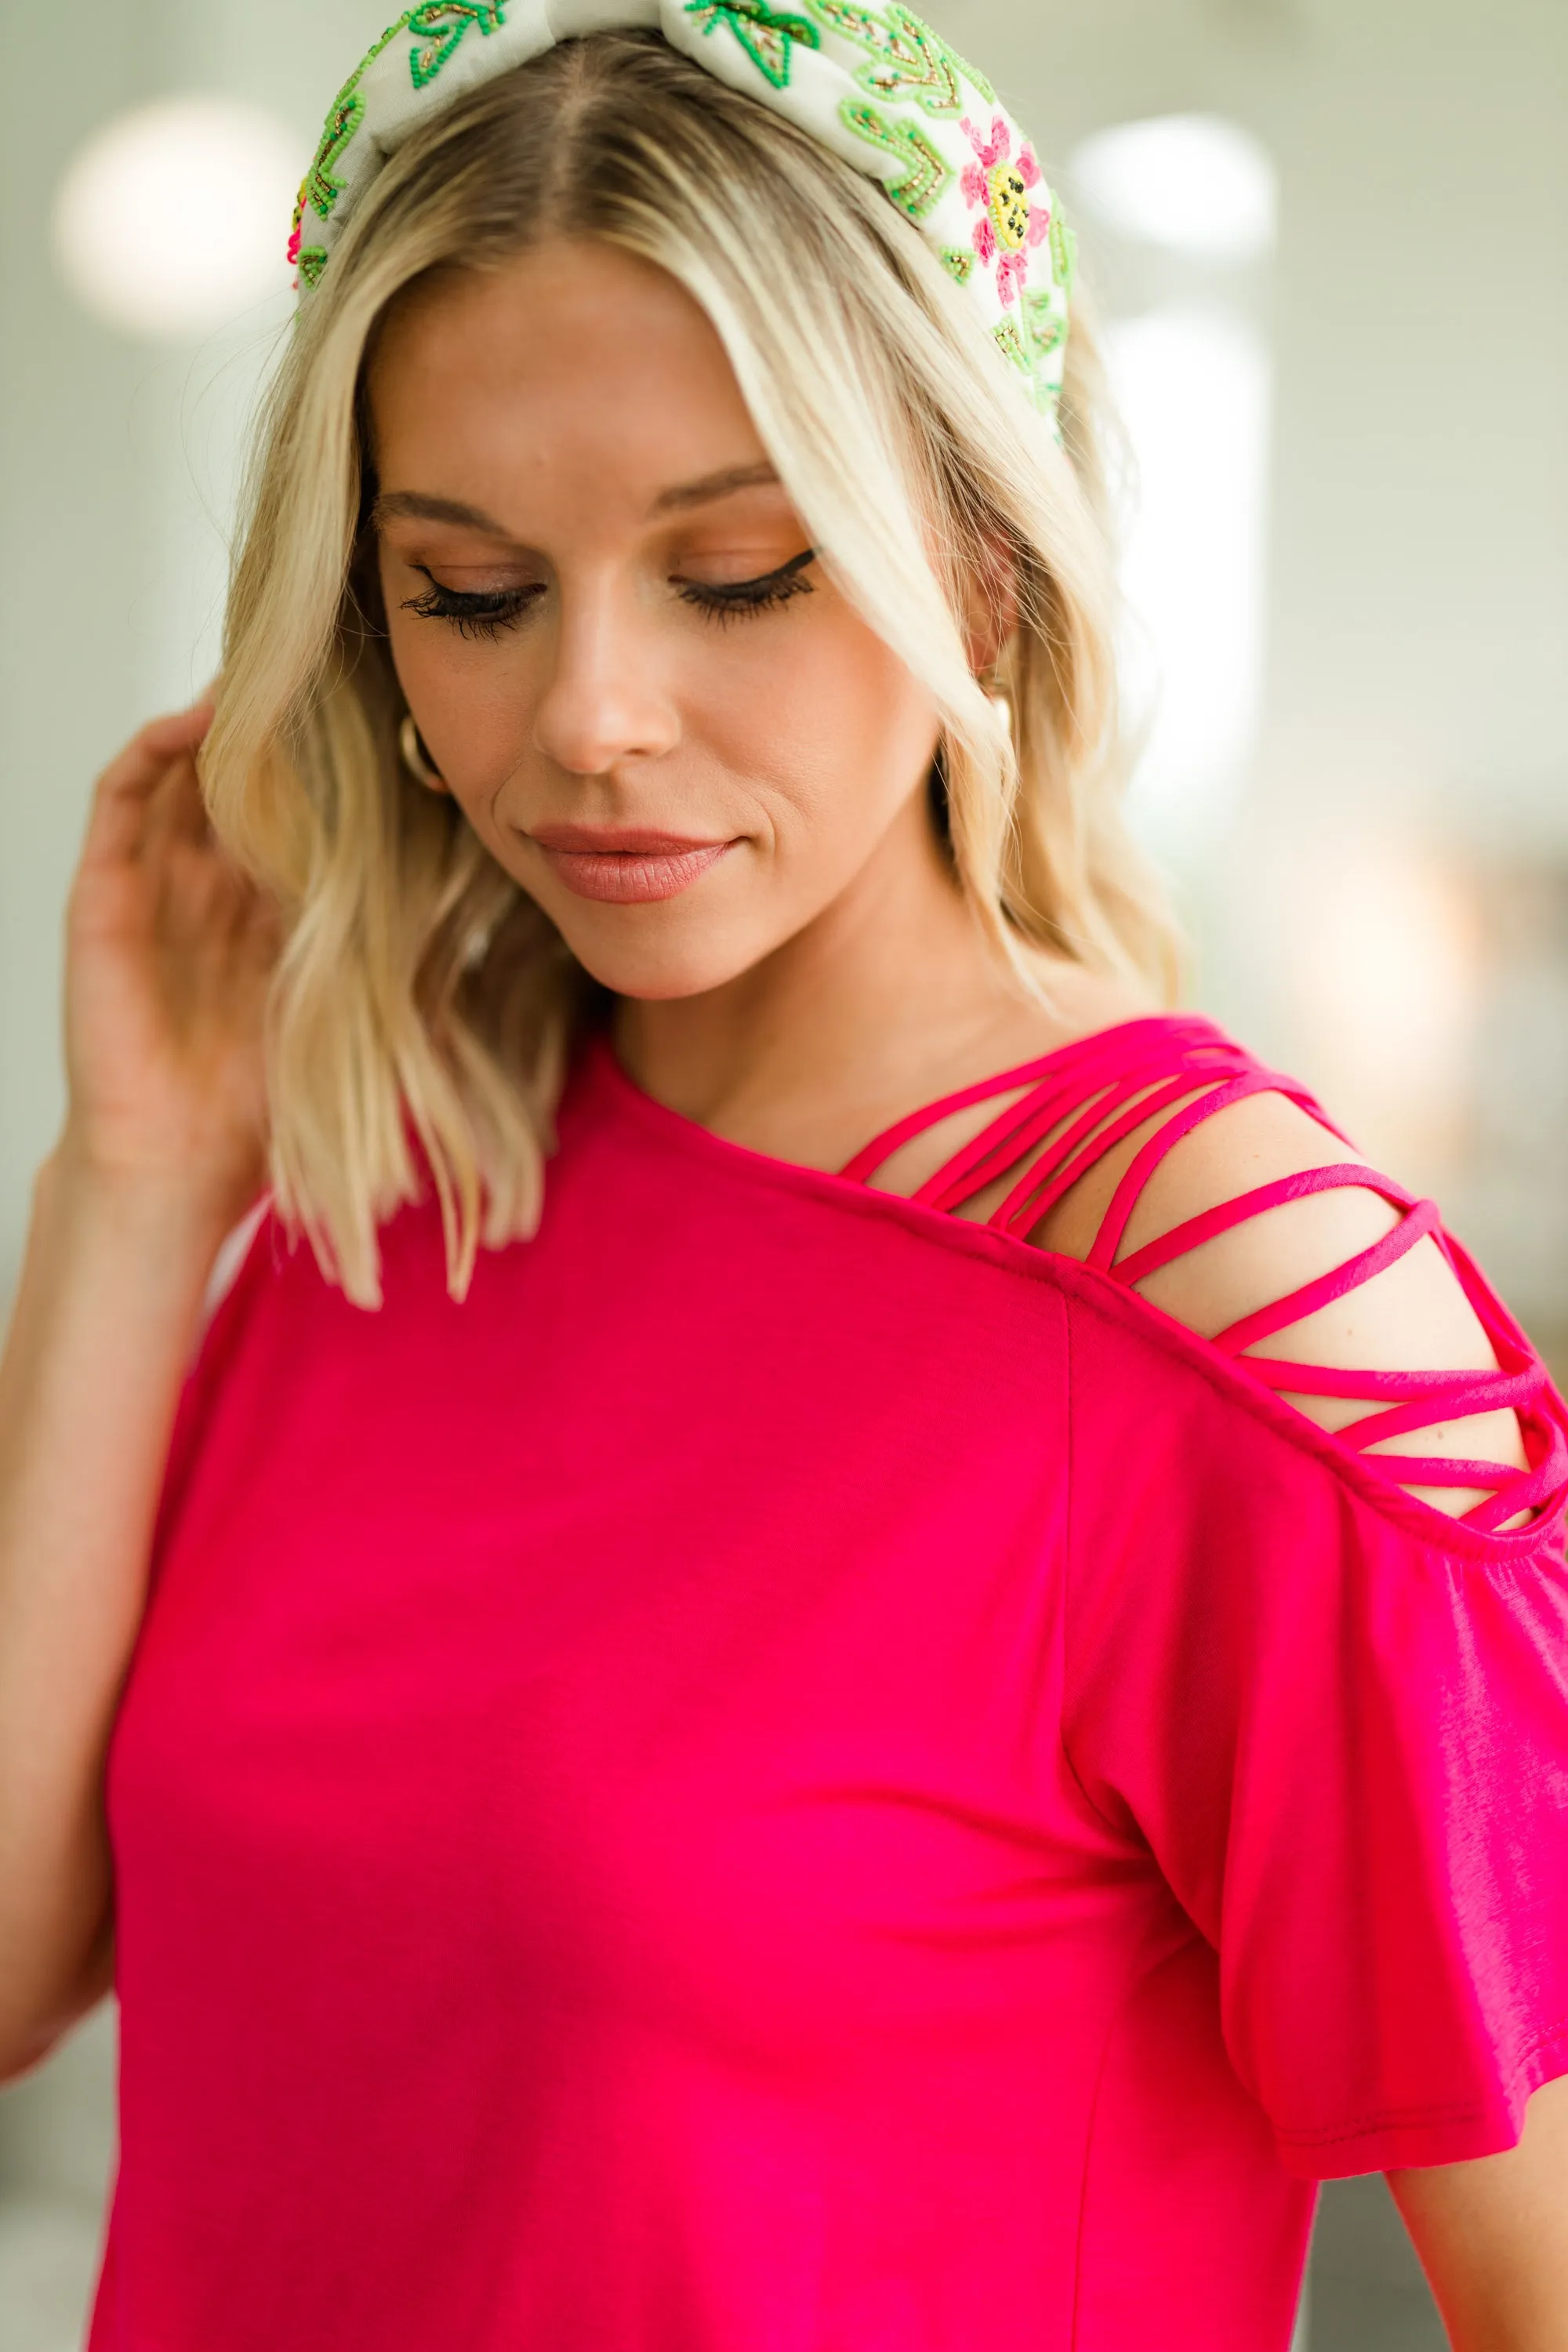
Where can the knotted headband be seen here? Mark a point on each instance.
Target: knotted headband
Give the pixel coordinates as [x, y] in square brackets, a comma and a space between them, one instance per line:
[875, 85]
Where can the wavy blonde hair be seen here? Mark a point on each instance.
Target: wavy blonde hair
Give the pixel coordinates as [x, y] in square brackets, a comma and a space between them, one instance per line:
[423, 1004]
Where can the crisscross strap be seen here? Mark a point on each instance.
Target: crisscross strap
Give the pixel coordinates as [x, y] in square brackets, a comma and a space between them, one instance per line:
[1168, 1074]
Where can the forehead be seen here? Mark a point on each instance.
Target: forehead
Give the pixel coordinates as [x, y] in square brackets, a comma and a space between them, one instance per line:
[577, 371]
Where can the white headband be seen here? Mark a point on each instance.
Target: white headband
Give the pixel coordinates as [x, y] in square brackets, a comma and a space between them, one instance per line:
[874, 84]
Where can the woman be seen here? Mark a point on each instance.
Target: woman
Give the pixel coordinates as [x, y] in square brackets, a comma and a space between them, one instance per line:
[905, 1707]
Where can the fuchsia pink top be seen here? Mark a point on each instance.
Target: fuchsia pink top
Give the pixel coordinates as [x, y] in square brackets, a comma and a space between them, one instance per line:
[801, 1775]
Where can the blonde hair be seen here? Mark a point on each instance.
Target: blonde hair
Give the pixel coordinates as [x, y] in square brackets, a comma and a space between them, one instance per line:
[422, 998]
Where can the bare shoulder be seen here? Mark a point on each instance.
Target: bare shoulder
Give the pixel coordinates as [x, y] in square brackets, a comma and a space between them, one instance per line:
[1011, 1034]
[1338, 1273]
[1162, 1153]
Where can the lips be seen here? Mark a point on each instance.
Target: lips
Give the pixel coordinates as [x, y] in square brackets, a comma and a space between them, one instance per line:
[625, 868]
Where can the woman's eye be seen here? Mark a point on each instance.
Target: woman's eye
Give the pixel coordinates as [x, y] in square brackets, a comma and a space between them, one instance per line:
[472, 611]
[730, 599]
[484, 612]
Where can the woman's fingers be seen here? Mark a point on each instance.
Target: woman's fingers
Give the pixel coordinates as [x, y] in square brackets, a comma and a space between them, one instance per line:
[126, 787]
[176, 810]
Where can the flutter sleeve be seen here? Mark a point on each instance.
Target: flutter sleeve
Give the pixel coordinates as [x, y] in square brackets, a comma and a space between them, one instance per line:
[1338, 1720]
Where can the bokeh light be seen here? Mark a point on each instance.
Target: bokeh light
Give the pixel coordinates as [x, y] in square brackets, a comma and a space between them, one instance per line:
[1193, 182]
[174, 219]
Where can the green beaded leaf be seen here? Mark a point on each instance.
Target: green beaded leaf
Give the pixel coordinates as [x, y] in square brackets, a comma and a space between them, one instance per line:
[958, 262]
[927, 176]
[312, 262]
[440, 25]
[767, 37]
[1048, 327]
[1011, 341]
[347, 114]
[344, 119]
[908, 60]
[1064, 254]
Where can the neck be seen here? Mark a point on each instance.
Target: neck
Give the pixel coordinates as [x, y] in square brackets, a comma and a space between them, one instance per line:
[892, 982]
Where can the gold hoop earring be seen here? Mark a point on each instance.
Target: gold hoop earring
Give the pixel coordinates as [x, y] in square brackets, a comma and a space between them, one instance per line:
[991, 685]
[415, 759]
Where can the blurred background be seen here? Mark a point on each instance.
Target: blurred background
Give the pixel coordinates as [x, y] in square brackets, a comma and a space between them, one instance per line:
[1327, 241]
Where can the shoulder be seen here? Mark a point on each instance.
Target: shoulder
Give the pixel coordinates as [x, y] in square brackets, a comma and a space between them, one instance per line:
[1235, 1207]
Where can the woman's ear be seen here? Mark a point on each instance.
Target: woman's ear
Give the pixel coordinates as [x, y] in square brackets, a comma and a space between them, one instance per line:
[992, 614]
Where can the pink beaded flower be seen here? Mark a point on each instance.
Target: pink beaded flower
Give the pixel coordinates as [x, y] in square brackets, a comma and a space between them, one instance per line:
[1010, 226]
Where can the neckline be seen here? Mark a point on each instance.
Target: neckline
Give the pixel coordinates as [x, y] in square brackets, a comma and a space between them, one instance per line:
[601, 1056]
[1089, 1284]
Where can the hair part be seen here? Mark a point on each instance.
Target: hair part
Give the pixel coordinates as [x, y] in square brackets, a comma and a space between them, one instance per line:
[424, 1003]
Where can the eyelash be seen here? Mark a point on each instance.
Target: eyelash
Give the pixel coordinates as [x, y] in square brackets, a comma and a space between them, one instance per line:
[482, 613]
[471, 615]
[742, 597]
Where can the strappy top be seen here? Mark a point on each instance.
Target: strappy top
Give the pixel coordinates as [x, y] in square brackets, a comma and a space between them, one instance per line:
[799, 1773]
[1170, 1073]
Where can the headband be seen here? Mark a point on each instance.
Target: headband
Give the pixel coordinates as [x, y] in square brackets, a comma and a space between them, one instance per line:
[875, 85]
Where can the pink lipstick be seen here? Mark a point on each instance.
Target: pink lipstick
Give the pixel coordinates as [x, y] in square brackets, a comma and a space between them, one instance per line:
[625, 868]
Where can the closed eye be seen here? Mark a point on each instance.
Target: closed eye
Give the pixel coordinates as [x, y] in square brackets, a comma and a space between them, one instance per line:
[472, 611]
[485, 613]
[730, 599]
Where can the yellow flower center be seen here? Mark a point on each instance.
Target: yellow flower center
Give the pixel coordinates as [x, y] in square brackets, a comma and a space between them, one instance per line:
[1010, 206]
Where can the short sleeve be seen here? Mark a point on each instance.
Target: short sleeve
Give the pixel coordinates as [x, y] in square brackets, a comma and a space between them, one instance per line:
[1338, 1720]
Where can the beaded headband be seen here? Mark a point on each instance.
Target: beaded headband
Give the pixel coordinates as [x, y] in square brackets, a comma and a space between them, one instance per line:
[875, 85]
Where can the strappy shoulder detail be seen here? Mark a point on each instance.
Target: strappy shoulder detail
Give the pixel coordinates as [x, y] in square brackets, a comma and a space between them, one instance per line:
[1167, 1075]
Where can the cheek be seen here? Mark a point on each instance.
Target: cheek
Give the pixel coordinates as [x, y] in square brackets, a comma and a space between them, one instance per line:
[467, 694]
[824, 716]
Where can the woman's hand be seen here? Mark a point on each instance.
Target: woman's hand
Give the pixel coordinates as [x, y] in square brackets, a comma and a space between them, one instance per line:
[169, 954]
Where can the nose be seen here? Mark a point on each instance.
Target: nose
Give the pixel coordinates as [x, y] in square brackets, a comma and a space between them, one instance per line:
[608, 697]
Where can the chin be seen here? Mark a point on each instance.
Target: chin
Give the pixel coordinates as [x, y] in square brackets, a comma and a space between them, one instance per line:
[662, 972]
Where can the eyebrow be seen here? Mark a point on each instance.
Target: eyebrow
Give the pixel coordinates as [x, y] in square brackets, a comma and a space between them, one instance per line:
[715, 486]
[417, 506]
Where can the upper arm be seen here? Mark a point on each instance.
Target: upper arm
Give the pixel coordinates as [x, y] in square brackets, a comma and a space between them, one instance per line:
[1492, 2235]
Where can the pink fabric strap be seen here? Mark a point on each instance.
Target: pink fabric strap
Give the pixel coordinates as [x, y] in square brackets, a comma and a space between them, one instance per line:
[1068, 1110]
